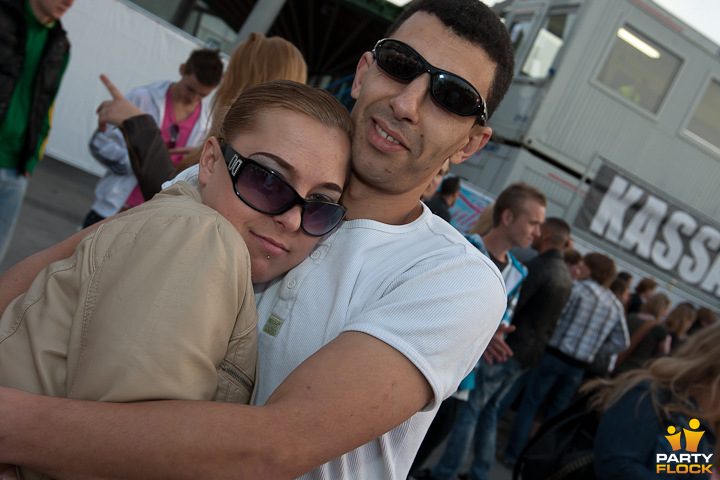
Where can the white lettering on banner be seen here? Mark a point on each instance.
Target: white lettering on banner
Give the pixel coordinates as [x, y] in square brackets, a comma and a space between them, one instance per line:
[669, 241]
[692, 270]
[612, 209]
[641, 232]
[667, 255]
[712, 279]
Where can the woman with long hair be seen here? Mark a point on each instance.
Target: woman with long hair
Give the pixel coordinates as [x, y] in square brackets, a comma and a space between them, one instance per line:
[257, 60]
[648, 336]
[678, 323]
[645, 411]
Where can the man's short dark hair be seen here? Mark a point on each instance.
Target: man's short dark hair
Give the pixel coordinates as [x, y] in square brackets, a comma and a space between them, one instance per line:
[206, 65]
[513, 198]
[450, 186]
[645, 285]
[619, 287]
[472, 20]
[627, 276]
[572, 256]
[559, 230]
[602, 268]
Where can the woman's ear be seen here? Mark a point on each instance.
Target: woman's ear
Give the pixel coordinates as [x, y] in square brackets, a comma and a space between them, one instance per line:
[208, 160]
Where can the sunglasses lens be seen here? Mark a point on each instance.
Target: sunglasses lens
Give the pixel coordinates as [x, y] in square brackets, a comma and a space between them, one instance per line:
[320, 217]
[397, 60]
[263, 190]
[455, 94]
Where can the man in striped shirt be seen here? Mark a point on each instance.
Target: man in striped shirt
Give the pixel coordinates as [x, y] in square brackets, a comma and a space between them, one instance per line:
[592, 318]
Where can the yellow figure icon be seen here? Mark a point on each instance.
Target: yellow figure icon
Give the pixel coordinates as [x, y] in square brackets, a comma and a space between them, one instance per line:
[673, 438]
[692, 439]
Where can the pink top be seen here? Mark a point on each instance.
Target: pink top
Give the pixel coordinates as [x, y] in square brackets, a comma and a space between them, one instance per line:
[175, 134]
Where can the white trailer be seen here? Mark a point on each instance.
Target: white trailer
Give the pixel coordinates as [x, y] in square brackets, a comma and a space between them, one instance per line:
[614, 113]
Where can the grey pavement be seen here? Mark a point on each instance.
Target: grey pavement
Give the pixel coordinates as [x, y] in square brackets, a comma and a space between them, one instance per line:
[57, 200]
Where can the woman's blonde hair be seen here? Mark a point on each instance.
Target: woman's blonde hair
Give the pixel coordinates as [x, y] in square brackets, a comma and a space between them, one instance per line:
[320, 105]
[485, 222]
[693, 370]
[656, 305]
[680, 319]
[257, 60]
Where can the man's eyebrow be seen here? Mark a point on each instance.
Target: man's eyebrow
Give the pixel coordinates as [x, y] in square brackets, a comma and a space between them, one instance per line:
[288, 167]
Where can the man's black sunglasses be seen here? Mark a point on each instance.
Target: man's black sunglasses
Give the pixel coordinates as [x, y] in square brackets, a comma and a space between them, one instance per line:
[262, 189]
[451, 91]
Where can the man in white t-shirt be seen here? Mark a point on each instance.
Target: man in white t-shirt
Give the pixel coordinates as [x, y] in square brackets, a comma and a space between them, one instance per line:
[364, 339]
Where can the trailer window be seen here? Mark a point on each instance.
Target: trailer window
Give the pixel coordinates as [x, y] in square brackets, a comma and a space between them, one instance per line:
[705, 121]
[547, 44]
[639, 70]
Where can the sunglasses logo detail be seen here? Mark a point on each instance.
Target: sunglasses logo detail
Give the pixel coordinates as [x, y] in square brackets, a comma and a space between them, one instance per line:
[683, 463]
[234, 165]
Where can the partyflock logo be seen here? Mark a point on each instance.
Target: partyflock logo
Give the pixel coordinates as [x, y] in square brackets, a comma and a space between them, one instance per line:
[689, 462]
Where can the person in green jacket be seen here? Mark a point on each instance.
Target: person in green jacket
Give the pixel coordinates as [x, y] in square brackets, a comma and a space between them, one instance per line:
[34, 50]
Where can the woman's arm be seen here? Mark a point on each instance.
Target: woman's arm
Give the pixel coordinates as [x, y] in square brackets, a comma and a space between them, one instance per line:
[17, 279]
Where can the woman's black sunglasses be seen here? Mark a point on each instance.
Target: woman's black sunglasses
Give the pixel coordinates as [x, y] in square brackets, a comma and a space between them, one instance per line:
[451, 91]
[264, 190]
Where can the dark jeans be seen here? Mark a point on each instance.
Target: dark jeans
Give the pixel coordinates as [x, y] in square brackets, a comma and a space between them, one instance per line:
[92, 218]
[439, 429]
[551, 373]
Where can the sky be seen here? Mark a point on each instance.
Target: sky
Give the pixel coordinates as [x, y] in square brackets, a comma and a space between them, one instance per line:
[702, 15]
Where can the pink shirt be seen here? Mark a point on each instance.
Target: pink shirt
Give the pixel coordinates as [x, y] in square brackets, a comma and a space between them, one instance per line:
[175, 134]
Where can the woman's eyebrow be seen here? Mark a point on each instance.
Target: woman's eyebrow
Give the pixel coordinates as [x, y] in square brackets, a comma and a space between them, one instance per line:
[288, 167]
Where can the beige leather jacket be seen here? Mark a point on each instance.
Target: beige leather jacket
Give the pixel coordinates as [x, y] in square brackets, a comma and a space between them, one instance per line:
[157, 304]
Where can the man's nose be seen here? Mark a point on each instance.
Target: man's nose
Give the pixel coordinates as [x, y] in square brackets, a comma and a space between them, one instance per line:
[406, 104]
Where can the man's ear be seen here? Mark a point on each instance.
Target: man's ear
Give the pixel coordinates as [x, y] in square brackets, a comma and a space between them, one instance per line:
[507, 217]
[360, 71]
[476, 140]
[182, 69]
[208, 160]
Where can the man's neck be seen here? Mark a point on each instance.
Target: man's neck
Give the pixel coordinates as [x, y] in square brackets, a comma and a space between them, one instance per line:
[182, 110]
[363, 201]
[497, 244]
[546, 248]
[41, 15]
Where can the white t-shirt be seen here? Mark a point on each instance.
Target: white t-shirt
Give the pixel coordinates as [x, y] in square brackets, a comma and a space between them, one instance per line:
[421, 288]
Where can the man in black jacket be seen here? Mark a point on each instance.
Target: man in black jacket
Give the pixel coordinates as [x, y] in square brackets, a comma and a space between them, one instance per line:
[34, 52]
[441, 202]
[545, 292]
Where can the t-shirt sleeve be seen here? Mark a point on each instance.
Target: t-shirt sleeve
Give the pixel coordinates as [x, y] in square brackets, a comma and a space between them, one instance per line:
[441, 315]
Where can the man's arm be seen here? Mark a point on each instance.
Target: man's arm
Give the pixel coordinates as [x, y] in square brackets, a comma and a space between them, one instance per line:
[348, 393]
[498, 350]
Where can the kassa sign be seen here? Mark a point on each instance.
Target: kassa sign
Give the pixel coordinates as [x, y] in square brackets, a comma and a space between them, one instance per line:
[650, 226]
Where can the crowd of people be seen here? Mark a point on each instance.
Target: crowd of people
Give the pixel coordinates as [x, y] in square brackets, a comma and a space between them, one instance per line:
[288, 307]
[570, 319]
